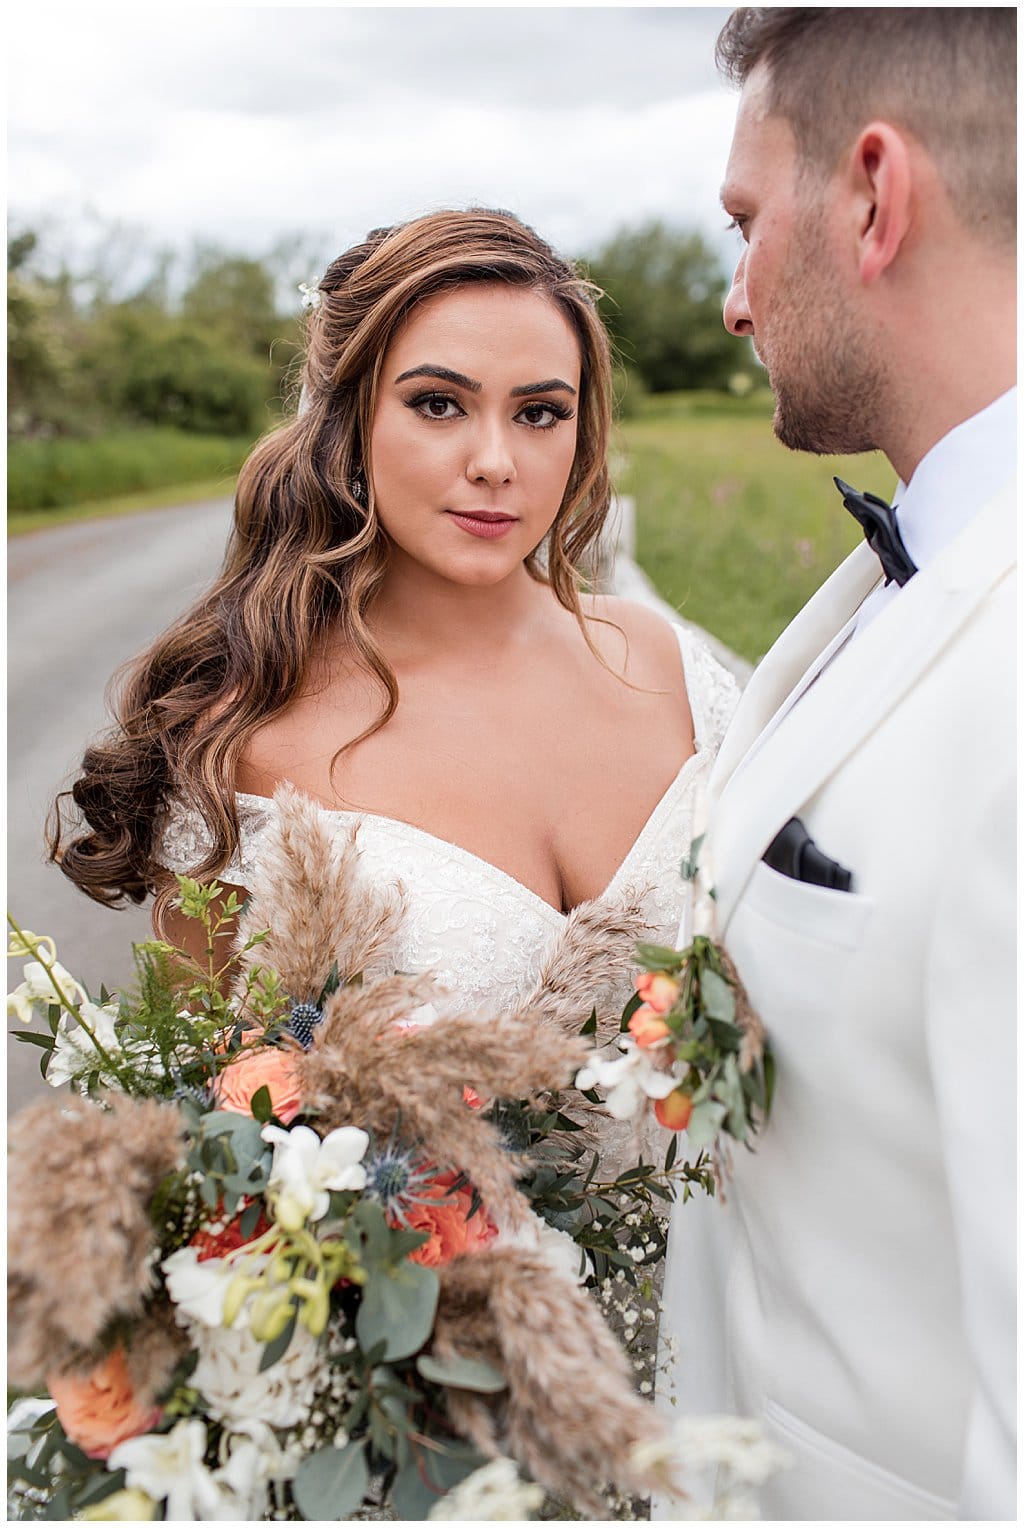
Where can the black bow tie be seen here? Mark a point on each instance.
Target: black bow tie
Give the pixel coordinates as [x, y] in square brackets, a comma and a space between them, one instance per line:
[878, 521]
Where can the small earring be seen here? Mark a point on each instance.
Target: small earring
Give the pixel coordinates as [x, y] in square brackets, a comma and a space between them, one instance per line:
[357, 488]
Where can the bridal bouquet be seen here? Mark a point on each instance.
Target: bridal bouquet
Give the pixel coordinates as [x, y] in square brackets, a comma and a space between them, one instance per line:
[313, 1245]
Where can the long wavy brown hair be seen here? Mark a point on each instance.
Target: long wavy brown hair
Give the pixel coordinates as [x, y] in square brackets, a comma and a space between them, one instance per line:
[307, 554]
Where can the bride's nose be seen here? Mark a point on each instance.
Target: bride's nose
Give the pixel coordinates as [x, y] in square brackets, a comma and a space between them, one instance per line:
[491, 458]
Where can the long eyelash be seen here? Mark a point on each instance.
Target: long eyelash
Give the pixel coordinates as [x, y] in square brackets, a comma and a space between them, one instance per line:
[560, 410]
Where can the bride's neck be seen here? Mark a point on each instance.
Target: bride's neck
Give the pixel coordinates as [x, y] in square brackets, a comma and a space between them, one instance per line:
[418, 612]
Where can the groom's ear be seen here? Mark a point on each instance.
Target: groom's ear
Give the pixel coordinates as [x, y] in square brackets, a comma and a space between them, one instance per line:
[880, 184]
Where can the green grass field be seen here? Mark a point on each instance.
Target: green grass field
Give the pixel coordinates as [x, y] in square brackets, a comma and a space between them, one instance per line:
[65, 474]
[735, 531]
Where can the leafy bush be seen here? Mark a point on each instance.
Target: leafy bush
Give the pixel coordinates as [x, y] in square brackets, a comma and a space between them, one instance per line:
[49, 474]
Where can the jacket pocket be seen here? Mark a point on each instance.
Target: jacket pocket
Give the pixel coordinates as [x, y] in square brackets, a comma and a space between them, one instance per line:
[811, 912]
[876, 1491]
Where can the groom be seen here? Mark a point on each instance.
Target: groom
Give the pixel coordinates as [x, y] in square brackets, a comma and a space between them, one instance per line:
[856, 1290]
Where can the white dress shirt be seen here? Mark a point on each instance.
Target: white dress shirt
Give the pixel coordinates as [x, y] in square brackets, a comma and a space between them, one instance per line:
[953, 480]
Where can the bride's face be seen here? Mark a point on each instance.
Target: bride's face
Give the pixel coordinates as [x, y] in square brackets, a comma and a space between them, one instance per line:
[474, 433]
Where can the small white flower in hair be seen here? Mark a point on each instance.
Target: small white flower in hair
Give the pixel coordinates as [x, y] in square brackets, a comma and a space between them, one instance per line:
[311, 295]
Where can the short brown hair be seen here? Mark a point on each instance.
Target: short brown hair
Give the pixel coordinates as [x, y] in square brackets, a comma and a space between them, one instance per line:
[946, 75]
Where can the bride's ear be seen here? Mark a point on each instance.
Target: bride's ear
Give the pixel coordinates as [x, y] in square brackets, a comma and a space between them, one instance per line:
[880, 181]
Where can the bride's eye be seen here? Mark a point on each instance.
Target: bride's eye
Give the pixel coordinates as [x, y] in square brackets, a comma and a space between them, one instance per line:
[435, 406]
[542, 416]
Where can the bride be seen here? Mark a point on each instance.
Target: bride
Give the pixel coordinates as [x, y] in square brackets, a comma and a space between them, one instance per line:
[399, 631]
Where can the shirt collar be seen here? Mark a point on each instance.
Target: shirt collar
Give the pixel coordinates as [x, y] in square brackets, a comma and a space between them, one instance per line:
[957, 477]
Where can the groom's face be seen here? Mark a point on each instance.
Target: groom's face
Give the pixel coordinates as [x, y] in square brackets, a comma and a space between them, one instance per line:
[789, 292]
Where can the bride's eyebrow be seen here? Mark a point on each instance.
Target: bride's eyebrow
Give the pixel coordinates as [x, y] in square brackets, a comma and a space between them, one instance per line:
[552, 385]
[442, 374]
[459, 379]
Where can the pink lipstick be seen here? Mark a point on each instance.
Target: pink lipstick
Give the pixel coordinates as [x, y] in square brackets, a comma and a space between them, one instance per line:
[483, 523]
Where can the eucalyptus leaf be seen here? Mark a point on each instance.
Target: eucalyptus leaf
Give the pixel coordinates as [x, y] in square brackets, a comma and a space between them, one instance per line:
[398, 1307]
[688, 866]
[430, 1474]
[705, 1123]
[658, 957]
[330, 1484]
[717, 996]
[462, 1373]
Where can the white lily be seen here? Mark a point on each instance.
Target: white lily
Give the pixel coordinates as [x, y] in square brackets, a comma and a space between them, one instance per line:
[170, 1466]
[632, 1078]
[306, 1169]
[74, 1050]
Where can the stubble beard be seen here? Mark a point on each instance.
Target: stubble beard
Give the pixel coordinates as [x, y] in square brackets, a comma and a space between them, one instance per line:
[828, 378]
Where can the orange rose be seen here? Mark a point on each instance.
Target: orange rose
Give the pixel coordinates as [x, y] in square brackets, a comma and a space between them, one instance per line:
[100, 1410]
[447, 1220]
[674, 1111]
[266, 1067]
[658, 991]
[646, 1027]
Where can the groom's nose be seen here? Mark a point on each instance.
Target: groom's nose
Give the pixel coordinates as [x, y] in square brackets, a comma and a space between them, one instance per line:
[736, 314]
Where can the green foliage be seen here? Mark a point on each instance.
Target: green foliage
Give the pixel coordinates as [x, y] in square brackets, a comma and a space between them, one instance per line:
[49, 474]
[663, 305]
[331, 1483]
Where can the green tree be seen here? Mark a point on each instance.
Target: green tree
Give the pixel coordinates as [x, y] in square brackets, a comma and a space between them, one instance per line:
[663, 305]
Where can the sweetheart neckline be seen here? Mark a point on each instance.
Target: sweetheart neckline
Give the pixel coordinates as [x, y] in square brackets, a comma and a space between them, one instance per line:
[698, 756]
[380, 819]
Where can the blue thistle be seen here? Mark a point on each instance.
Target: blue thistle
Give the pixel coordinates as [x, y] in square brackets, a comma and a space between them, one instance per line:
[395, 1178]
[303, 1021]
[199, 1094]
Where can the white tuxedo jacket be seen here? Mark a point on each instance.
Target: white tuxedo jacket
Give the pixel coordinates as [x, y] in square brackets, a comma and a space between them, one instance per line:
[856, 1291]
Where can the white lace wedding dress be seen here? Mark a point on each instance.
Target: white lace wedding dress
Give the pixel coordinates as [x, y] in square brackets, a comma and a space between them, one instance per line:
[481, 933]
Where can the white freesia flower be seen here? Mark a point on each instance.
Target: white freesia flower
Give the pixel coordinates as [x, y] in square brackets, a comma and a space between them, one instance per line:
[251, 1457]
[170, 1466]
[493, 1494]
[228, 1376]
[74, 1051]
[632, 1078]
[306, 1169]
[38, 990]
[198, 1287]
[311, 296]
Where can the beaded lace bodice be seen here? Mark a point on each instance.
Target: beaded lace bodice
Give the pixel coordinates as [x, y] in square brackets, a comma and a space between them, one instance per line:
[480, 932]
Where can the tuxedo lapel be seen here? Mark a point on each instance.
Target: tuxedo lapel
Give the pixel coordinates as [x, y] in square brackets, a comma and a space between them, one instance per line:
[851, 697]
[808, 636]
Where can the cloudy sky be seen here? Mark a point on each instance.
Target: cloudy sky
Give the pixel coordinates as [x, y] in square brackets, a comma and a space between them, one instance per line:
[244, 124]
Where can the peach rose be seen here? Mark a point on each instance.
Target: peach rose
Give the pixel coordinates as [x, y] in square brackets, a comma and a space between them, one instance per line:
[266, 1067]
[647, 1028]
[674, 1111]
[99, 1410]
[452, 1232]
[657, 990]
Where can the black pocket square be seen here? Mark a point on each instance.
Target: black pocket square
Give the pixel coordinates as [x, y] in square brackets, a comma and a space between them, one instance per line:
[793, 852]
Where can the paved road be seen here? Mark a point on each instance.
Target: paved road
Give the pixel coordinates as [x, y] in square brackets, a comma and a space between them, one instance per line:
[81, 600]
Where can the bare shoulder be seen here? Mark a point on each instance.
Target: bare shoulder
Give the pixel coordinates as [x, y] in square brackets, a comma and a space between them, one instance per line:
[627, 632]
